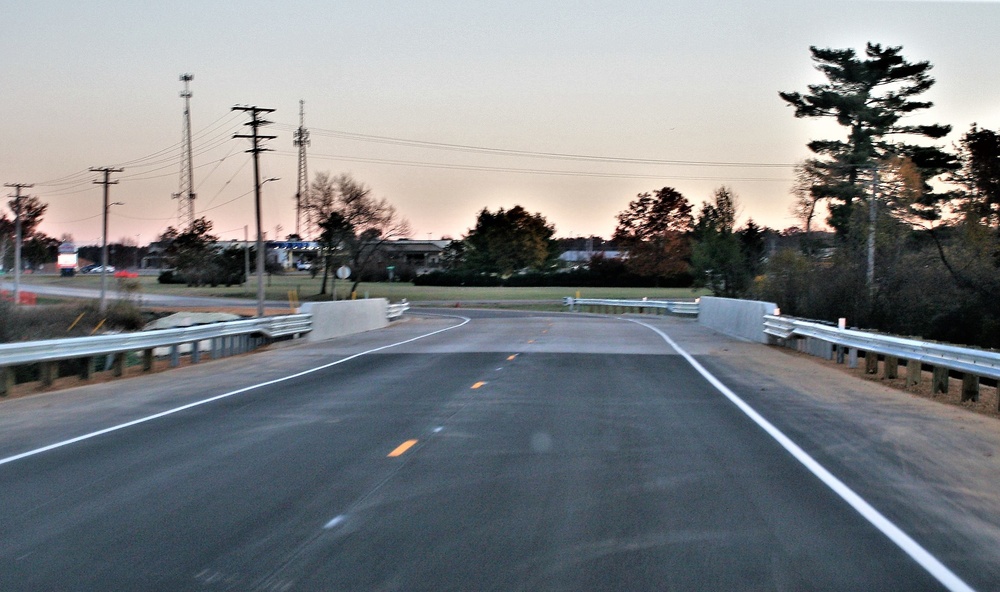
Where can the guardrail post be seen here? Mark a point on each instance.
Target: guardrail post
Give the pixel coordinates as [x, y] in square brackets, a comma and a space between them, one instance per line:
[88, 368]
[891, 368]
[195, 352]
[49, 373]
[147, 360]
[970, 387]
[6, 380]
[118, 364]
[175, 355]
[852, 358]
[913, 372]
[871, 362]
[940, 384]
[840, 354]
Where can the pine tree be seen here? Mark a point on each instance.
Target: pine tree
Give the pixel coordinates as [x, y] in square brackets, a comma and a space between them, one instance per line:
[870, 96]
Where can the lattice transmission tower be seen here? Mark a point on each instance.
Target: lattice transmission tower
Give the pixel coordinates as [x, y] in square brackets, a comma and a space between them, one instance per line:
[303, 213]
[185, 196]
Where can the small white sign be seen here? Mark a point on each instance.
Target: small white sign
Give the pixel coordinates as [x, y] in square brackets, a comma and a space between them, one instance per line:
[343, 272]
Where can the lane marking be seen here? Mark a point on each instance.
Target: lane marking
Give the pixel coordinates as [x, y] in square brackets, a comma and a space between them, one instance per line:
[438, 429]
[531, 341]
[511, 357]
[402, 448]
[478, 384]
[902, 540]
[122, 426]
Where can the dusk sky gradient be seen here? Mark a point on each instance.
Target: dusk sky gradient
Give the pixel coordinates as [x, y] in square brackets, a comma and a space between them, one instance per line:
[92, 84]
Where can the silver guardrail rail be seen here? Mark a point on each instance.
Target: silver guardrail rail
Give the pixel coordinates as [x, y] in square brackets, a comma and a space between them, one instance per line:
[677, 307]
[969, 361]
[226, 338]
[394, 311]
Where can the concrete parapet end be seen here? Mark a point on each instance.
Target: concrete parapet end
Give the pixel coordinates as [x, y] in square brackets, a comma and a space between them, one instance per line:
[737, 318]
[345, 317]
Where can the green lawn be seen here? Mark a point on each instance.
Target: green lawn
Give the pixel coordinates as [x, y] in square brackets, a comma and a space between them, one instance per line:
[277, 287]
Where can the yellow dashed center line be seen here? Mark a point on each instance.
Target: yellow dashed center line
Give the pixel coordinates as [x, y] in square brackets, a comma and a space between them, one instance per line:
[511, 357]
[478, 384]
[402, 448]
[531, 341]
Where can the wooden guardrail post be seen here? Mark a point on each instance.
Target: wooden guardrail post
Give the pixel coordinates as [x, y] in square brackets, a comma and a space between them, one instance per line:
[890, 369]
[118, 364]
[970, 387]
[6, 380]
[871, 362]
[913, 373]
[88, 368]
[852, 358]
[940, 383]
[147, 360]
[49, 373]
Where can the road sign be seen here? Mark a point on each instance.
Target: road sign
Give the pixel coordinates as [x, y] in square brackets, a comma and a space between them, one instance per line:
[343, 272]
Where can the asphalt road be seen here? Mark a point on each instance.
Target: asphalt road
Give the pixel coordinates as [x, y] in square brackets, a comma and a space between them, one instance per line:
[499, 451]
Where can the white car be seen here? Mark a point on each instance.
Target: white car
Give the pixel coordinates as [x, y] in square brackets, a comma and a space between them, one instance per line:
[303, 265]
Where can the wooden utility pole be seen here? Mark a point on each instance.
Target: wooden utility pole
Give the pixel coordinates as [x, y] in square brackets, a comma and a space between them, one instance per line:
[17, 237]
[254, 123]
[104, 233]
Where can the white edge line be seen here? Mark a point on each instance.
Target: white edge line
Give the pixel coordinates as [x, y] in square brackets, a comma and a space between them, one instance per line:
[912, 548]
[128, 424]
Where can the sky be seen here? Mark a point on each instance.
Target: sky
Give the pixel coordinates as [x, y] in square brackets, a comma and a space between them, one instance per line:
[405, 95]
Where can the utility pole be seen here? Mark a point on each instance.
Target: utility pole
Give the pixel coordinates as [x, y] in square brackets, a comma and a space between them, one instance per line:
[17, 237]
[107, 182]
[246, 254]
[255, 123]
[301, 139]
[185, 196]
[872, 216]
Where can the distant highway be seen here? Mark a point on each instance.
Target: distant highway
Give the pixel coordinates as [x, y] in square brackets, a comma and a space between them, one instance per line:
[478, 450]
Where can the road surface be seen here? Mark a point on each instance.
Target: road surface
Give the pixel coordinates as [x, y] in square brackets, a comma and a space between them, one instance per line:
[498, 451]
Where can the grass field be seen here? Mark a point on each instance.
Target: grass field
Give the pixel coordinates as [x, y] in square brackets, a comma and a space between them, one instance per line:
[277, 287]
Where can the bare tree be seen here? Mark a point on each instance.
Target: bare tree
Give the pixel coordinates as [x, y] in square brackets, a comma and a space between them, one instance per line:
[370, 221]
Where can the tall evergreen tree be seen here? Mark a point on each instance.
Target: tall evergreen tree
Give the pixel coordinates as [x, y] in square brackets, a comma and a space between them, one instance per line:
[870, 96]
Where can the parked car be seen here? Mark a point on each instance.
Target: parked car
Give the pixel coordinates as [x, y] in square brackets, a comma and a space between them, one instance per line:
[303, 265]
[88, 268]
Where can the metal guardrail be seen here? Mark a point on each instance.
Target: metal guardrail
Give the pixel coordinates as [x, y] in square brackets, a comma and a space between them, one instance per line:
[677, 307]
[224, 337]
[394, 311]
[968, 361]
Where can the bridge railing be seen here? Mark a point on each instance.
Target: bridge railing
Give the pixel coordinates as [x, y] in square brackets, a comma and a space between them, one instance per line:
[675, 307]
[221, 339]
[834, 342]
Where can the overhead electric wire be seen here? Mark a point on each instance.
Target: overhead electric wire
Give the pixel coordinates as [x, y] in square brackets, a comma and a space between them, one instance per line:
[80, 177]
[555, 172]
[525, 153]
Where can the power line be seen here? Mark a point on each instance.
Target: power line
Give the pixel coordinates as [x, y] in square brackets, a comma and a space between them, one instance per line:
[530, 153]
[527, 171]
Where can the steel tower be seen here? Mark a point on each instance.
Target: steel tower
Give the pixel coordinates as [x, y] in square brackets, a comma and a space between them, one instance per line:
[185, 196]
[301, 139]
